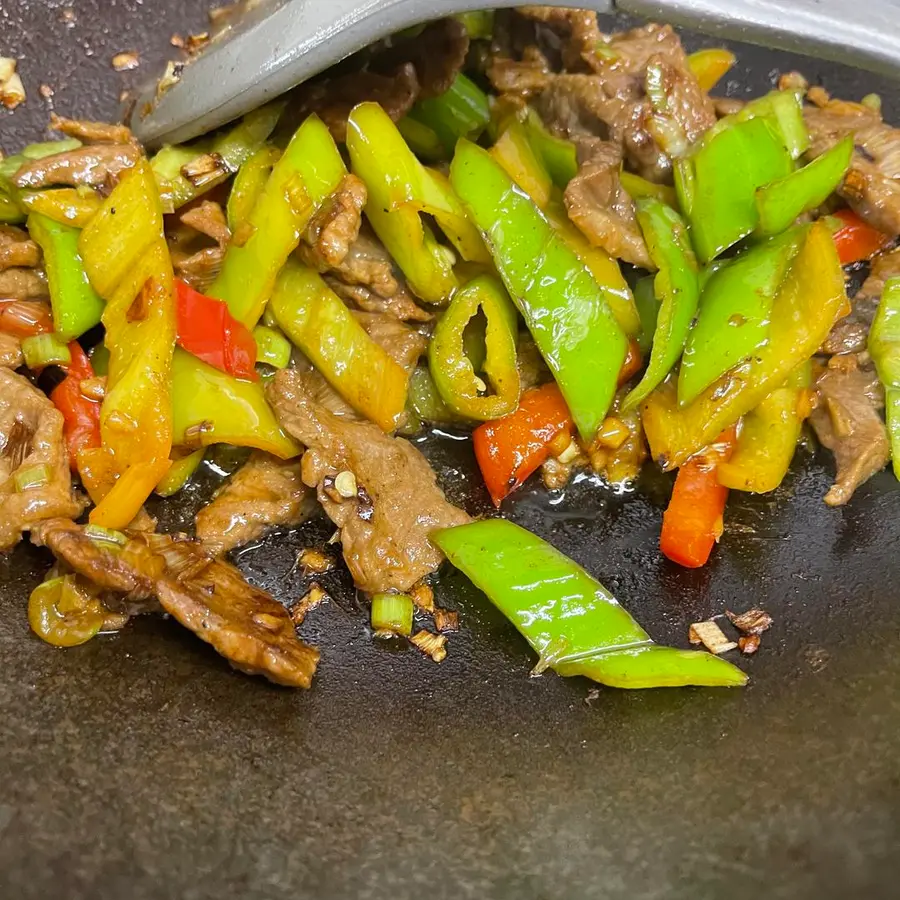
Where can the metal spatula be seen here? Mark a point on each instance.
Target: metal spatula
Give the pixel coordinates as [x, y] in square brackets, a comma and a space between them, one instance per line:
[280, 43]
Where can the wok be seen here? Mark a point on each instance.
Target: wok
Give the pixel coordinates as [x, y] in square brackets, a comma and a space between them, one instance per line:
[140, 766]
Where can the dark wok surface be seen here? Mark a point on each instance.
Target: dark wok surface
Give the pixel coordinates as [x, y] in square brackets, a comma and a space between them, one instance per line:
[140, 766]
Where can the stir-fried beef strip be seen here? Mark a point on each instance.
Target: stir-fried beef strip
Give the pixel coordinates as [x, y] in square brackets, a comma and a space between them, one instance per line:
[379, 490]
[31, 446]
[10, 351]
[872, 186]
[264, 493]
[847, 421]
[403, 344]
[576, 29]
[209, 597]
[851, 334]
[598, 204]
[23, 284]
[17, 249]
[335, 227]
[91, 132]
[199, 266]
[95, 165]
[400, 306]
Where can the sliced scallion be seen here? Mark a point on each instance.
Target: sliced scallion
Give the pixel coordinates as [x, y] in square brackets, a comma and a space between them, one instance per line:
[42, 350]
[31, 478]
[101, 535]
[392, 612]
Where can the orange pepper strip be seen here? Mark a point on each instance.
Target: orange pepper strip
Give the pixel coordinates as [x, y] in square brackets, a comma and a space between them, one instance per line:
[692, 523]
[127, 496]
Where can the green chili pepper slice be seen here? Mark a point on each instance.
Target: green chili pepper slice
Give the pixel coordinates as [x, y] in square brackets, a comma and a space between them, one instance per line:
[461, 111]
[567, 616]
[62, 614]
[249, 183]
[563, 306]
[452, 369]
[884, 345]
[676, 285]
[180, 473]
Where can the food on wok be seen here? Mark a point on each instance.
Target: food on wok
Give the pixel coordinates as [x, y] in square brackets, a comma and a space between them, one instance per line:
[554, 242]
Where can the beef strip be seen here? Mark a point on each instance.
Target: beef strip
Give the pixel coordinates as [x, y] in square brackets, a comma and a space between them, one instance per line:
[31, 435]
[209, 597]
[385, 527]
[91, 132]
[335, 227]
[523, 77]
[264, 493]
[10, 351]
[23, 284]
[598, 204]
[851, 334]
[195, 264]
[333, 98]
[95, 165]
[403, 344]
[17, 249]
[848, 423]
[400, 306]
[576, 28]
[872, 185]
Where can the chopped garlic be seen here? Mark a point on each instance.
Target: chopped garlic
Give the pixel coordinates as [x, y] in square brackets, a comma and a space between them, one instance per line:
[125, 62]
[432, 645]
[316, 561]
[754, 621]
[423, 598]
[12, 91]
[570, 454]
[711, 636]
[309, 601]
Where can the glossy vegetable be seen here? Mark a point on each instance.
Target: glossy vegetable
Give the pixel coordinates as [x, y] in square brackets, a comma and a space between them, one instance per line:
[648, 309]
[42, 350]
[638, 188]
[462, 111]
[127, 260]
[64, 614]
[769, 436]
[781, 202]
[81, 415]
[272, 347]
[562, 305]
[735, 309]
[424, 403]
[76, 306]
[884, 345]
[805, 310]
[180, 472]
[308, 172]
[574, 624]
[855, 239]
[67, 206]
[421, 139]
[559, 156]
[710, 66]
[249, 183]
[514, 151]
[717, 184]
[392, 613]
[208, 330]
[676, 285]
[784, 112]
[400, 190]
[692, 523]
[452, 369]
[319, 323]
[211, 407]
[511, 449]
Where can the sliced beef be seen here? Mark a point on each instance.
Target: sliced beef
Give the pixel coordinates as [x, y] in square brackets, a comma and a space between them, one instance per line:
[403, 344]
[91, 132]
[23, 284]
[400, 306]
[194, 260]
[209, 597]
[17, 249]
[264, 493]
[599, 205]
[10, 351]
[385, 526]
[577, 29]
[523, 77]
[335, 227]
[95, 165]
[851, 334]
[848, 423]
[31, 437]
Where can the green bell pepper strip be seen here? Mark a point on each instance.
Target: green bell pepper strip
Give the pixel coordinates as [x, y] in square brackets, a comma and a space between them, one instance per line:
[768, 437]
[234, 147]
[717, 184]
[735, 307]
[781, 202]
[806, 308]
[461, 111]
[558, 155]
[211, 407]
[249, 183]
[648, 309]
[180, 473]
[563, 306]
[272, 347]
[515, 152]
[637, 187]
[425, 402]
[884, 346]
[76, 306]
[308, 172]
[567, 616]
[451, 368]
[319, 323]
[422, 140]
[676, 285]
[400, 190]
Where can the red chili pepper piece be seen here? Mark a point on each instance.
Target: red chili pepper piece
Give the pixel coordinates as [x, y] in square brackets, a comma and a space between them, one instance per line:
[24, 318]
[856, 240]
[511, 449]
[81, 415]
[208, 330]
[692, 524]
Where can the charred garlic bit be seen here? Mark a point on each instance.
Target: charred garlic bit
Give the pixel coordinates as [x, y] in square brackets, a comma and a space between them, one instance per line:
[209, 168]
[170, 78]
[748, 644]
[446, 619]
[754, 621]
[423, 597]
[126, 61]
[309, 601]
[433, 645]
[12, 91]
[711, 636]
[315, 561]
